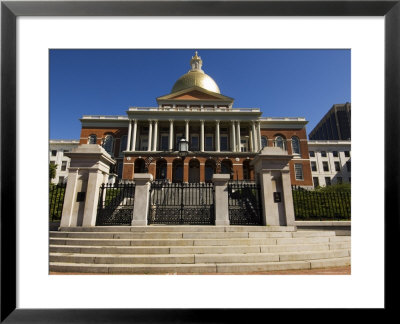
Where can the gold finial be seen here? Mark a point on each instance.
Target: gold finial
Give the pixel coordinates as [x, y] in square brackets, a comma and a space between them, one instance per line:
[196, 62]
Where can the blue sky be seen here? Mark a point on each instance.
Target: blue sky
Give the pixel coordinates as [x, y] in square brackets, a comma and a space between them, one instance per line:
[282, 83]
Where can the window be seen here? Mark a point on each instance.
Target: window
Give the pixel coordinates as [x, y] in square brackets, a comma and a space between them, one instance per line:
[164, 143]
[325, 166]
[119, 169]
[323, 153]
[66, 151]
[328, 181]
[53, 152]
[335, 153]
[178, 137]
[279, 142]
[295, 145]
[348, 165]
[52, 162]
[124, 141]
[298, 170]
[63, 165]
[313, 166]
[209, 143]
[143, 143]
[312, 154]
[347, 153]
[337, 166]
[224, 143]
[264, 141]
[92, 139]
[316, 182]
[194, 143]
[61, 180]
[339, 180]
[108, 143]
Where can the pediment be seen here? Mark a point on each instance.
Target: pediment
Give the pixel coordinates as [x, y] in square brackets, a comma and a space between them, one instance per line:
[195, 93]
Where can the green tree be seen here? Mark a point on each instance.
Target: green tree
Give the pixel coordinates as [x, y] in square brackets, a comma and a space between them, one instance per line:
[52, 171]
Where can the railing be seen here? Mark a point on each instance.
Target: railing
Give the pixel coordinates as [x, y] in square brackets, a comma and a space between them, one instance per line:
[321, 205]
[244, 203]
[115, 206]
[56, 201]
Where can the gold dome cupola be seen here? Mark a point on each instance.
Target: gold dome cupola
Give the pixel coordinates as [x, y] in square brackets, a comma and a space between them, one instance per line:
[195, 77]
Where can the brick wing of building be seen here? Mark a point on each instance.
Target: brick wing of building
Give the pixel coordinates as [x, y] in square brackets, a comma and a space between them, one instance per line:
[222, 139]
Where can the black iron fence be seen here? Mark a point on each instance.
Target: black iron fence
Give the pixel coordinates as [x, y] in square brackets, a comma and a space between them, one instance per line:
[321, 205]
[181, 203]
[115, 206]
[56, 201]
[244, 203]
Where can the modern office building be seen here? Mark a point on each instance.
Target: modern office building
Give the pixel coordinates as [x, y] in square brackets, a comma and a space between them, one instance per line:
[330, 162]
[335, 125]
[222, 139]
[57, 148]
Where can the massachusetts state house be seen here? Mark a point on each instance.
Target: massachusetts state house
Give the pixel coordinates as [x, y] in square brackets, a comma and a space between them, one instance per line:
[222, 139]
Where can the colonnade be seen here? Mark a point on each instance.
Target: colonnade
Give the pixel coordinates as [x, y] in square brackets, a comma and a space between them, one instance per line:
[234, 134]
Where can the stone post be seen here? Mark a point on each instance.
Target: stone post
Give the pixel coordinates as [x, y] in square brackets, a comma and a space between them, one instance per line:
[272, 171]
[89, 168]
[142, 197]
[221, 198]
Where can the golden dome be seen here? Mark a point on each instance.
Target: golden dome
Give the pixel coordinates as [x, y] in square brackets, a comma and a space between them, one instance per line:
[195, 77]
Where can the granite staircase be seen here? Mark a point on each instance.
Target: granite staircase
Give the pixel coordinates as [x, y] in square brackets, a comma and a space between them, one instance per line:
[194, 249]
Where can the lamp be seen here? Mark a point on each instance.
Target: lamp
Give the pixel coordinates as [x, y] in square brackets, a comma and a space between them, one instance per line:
[183, 147]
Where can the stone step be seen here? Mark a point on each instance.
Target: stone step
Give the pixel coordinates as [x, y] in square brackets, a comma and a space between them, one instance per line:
[194, 242]
[194, 258]
[197, 249]
[195, 268]
[180, 228]
[189, 235]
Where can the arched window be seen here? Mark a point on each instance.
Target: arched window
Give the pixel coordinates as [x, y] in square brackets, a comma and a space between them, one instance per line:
[295, 145]
[264, 141]
[92, 139]
[280, 142]
[108, 143]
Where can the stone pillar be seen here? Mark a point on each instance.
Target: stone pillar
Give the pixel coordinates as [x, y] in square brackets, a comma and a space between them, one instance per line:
[134, 135]
[238, 136]
[272, 171]
[142, 197]
[128, 145]
[251, 141]
[221, 198]
[187, 130]
[217, 136]
[149, 139]
[259, 136]
[171, 135]
[233, 137]
[255, 139]
[89, 168]
[202, 136]
[155, 137]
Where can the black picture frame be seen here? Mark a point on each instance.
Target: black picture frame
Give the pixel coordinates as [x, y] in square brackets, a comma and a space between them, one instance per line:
[10, 10]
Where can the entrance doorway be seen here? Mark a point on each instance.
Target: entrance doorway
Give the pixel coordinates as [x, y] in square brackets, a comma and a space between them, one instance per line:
[194, 171]
[177, 171]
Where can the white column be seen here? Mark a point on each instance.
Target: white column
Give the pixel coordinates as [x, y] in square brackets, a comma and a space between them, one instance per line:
[128, 144]
[202, 136]
[187, 130]
[155, 137]
[150, 135]
[134, 135]
[217, 136]
[233, 137]
[259, 135]
[238, 136]
[255, 139]
[251, 141]
[171, 135]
